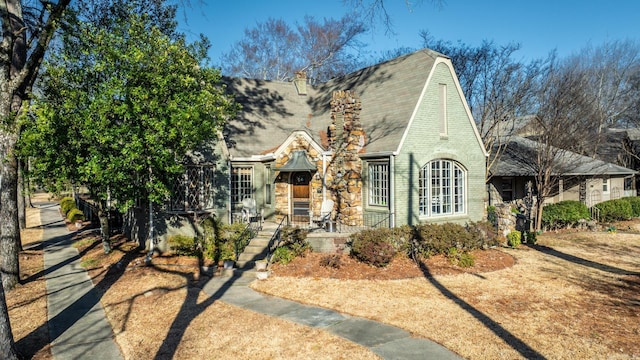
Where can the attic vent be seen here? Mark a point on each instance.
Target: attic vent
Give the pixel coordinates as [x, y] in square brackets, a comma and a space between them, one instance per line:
[300, 81]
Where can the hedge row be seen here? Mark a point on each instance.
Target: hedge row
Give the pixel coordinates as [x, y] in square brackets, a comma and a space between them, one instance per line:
[619, 209]
[378, 246]
[564, 214]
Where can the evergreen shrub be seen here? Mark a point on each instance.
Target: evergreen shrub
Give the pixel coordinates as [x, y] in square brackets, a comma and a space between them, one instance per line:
[615, 210]
[66, 204]
[564, 214]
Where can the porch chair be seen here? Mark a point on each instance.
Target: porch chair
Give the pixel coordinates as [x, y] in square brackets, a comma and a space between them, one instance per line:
[250, 211]
[325, 214]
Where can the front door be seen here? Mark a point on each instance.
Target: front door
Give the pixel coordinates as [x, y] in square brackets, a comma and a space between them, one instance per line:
[300, 195]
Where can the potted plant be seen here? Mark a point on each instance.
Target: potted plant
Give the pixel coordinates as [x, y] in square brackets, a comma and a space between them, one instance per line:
[227, 255]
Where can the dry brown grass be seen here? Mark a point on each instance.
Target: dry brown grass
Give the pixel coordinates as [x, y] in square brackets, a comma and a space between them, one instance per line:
[161, 311]
[27, 303]
[576, 296]
[577, 300]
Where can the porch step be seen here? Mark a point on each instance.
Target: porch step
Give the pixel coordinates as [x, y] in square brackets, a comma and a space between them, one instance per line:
[257, 248]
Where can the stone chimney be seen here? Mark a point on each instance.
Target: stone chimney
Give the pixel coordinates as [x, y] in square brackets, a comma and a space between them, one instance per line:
[300, 81]
[345, 133]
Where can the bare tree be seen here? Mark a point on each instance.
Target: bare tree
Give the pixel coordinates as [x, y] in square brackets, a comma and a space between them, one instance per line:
[609, 71]
[375, 11]
[562, 104]
[273, 50]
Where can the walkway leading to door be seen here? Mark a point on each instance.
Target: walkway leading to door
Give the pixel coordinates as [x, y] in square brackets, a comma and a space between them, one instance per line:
[78, 327]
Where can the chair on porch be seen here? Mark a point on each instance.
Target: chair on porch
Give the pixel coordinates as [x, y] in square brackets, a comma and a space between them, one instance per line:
[250, 211]
[325, 214]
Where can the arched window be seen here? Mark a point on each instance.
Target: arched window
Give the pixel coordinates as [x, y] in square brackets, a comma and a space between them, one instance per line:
[442, 186]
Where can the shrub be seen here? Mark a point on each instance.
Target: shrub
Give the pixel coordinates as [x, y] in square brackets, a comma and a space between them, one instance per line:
[460, 258]
[370, 250]
[283, 255]
[398, 237]
[74, 215]
[484, 234]
[634, 201]
[333, 261]
[66, 204]
[564, 214]
[434, 239]
[615, 210]
[513, 239]
[182, 245]
[530, 237]
[295, 239]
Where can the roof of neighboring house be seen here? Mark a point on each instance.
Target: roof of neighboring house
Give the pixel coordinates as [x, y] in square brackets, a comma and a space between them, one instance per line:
[518, 159]
[271, 110]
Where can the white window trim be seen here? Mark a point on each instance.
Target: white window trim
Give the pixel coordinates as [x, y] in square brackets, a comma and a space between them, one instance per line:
[377, 192]
[425, 202]
[236, 199]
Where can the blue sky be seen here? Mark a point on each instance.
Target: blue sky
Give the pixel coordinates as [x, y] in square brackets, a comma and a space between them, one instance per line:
[538, 25]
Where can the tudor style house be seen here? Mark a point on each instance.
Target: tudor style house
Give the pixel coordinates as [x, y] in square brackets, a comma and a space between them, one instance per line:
[393, 141]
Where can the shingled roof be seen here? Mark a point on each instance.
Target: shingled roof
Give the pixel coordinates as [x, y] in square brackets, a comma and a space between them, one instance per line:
[271, 110]
[518, 159]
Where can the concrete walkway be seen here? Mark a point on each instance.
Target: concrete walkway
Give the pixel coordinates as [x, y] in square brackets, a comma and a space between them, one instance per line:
[78, 327]
[387, 341]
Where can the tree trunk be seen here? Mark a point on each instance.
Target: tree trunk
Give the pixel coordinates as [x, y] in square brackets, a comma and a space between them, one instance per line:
[103, 215]
[9, 229]
[22, 215]
[7, 346]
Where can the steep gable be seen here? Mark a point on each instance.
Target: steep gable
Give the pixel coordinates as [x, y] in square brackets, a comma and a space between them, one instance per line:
[389, 93]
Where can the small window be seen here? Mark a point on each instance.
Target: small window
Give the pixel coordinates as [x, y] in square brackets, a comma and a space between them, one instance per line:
[605, 185]
[379, 184]
[241, 184]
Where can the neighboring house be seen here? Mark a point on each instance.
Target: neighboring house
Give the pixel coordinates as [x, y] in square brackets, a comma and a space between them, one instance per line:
[394, 142]
[579, 178]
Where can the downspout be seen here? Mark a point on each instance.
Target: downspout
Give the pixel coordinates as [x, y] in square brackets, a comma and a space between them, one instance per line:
[392, 191]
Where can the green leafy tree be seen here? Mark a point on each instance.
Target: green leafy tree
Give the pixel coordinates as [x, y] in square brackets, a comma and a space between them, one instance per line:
[121, 107]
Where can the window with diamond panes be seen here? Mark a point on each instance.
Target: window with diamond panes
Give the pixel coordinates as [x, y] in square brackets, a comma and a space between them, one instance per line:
[193, 191]
[378, 184]
[442, 188]
[241, 184]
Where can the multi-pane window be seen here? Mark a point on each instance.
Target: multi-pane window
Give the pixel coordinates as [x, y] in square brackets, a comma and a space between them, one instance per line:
[442, 188]
[379, 184]
[241, 184]
[194, 190]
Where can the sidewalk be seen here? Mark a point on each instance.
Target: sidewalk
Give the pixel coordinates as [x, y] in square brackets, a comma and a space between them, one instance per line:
[78, 327]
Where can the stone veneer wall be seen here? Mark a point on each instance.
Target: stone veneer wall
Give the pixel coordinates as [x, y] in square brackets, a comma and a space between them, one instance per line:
[282, 182]
[346, 138]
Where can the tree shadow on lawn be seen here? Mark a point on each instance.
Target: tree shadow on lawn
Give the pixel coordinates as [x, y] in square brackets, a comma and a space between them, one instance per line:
[29, 345]
[517, 344]
[581, 261]
[625, 284]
